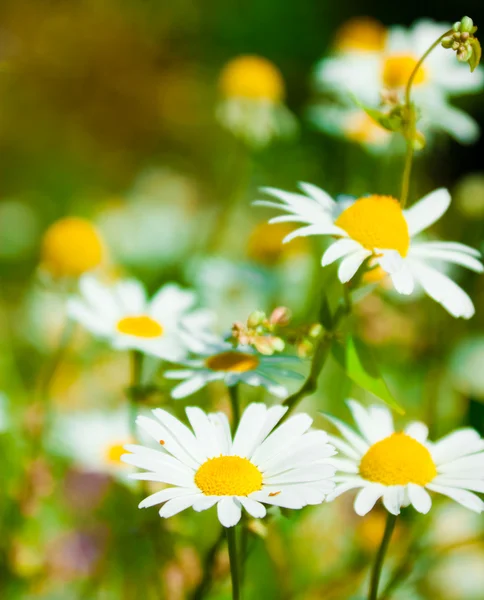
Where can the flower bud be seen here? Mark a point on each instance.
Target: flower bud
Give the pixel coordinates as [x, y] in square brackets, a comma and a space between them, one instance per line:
[464, 36]
[447, 42]
[280, 316]
[455, 45]
[256, 318]
[456, 26]
[277, 344]
[315, 330]
[263, 345]
[466, 25]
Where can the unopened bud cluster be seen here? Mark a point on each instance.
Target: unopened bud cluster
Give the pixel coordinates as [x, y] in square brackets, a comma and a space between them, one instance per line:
[462, 39]
[262, 331]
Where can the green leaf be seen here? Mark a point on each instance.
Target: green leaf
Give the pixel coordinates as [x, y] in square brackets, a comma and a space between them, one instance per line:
[391, 121]
[361, 367]
[476, 55]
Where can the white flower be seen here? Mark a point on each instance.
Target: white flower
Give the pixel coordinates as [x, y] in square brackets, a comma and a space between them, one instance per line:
[288, 467]
[376, 226]
[94, 440]
[401, 466]
[366, 75]
[252, 106]
[122, 314]
[220, 361]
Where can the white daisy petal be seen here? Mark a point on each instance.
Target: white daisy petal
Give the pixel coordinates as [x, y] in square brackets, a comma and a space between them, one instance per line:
[204, 431]
[338, 250]
[313, 230]
[317, 194]
[222, 431]
[205, 502]
[182, 434]
[419, 498]
[467, 499]
[254, 508]
[427, 211]
[177, 505]
[344, 487]
[393, 498]
[229, 511]
[345, 448]
[190, 386]
[419, 431]
[459, 258]
[439, 245]
[457, 444]
[165, 495]
[370, 422]
[248, 429]
[367, 498]
[350, 265]
[473, 485]
[354, 439]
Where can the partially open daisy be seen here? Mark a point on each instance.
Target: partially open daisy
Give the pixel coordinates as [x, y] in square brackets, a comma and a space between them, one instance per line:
[400, 466]
[218, 360]
[252, 105]
[366, 75]
[122, 314]
[288, 467]
[376, 227]
[71, 247]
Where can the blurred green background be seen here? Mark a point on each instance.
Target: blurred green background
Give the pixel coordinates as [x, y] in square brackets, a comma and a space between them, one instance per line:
[107, 111]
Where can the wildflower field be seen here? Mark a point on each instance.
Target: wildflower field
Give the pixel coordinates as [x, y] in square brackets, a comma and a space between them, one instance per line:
[241, 301]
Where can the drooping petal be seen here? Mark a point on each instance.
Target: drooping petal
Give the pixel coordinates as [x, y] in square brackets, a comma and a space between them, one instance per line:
[229, 511]
[419, 498]
[427, 211]
[367, 498]
[350, 265]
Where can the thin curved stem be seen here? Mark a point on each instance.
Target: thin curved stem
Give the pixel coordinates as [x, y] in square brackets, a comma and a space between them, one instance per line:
[234, 402]
[234, 562]
[380, 557]
[134, 390]
[410, 115]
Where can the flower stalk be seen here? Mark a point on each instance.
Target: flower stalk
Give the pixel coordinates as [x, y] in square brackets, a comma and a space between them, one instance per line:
[234, 562]
[380, 557]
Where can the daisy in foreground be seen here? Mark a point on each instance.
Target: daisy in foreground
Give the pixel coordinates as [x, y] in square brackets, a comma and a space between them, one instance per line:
[400, 466]
[122, 314]
[375, 227]
[287, 466]
[220, 361]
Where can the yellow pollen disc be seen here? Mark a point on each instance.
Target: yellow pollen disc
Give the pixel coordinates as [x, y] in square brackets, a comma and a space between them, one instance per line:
[376, 222]
[361, 34]
[228, 476]
[114, 453]
[265, 243]
[398, 460]
[140, 326]
[71, 247]
[397, 69]
[232, 361]
[252, 77]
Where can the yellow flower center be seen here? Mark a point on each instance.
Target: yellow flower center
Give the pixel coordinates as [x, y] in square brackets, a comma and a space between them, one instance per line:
[71, 247]
[397, 69]
[114, 452]
[252, 77]
[238, 362]
[361, 34]
[398, 460]
[362, 128]
[141, 326]
[376, 222]
[265, 243]
[228, 476]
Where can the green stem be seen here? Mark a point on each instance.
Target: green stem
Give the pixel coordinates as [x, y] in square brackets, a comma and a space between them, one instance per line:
[134, 389]
[206, 582]
[410, 115]
[234, 562]
[234, 402]
[380, 557]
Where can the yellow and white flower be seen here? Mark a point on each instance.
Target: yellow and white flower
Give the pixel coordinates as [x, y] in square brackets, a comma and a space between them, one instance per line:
[218, 360]
[365, 75]
[252, 105]
[400, 466]
[376, 227]
[122, 314]
[287, 467]
[94, 440]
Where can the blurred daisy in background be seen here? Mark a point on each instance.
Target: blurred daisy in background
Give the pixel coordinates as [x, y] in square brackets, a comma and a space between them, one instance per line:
[360, 35]
[71, 247]
[400, 466]
[220, 361]
[122, 314]
[372, 76]
[94, 440]
[465, 369]
[376, 227]
[288, 467]
[252, 101]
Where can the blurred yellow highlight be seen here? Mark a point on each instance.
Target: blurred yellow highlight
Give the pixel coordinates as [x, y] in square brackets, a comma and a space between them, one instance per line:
[114, 453]
[265, 243]
[361, 34]
[238, 362]
[397, 69]
[252, 77]
[362, 128]
[398, 460]
[228, 476]
[70, 247]
[376, 222]
[141, 326]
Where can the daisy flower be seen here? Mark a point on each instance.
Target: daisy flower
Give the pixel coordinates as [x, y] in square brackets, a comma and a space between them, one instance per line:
[375, 227]
[71, 247]
[94, 441]
[400, 466]
[122, 314]
[287, 466]
[367, 75]
[218, 360]
[360, 35]
[252, 105]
